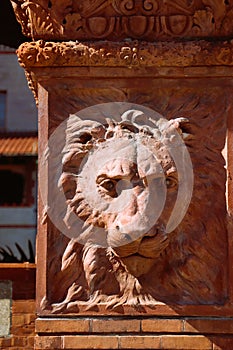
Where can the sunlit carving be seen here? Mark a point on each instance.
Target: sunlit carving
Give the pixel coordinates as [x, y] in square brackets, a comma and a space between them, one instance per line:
[112, 19]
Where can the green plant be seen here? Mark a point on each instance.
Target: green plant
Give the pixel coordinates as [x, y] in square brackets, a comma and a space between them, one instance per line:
[9, 257]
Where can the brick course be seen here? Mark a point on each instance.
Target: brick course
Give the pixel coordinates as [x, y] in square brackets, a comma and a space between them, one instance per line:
[136, 342]
[22, 329]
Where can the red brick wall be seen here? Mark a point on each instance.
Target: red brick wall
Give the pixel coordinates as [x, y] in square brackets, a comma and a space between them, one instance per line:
[184, 333]
[22, 328]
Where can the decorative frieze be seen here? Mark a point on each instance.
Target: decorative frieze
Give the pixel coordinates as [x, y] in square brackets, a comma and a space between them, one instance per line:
[126, 54]
[118, 19]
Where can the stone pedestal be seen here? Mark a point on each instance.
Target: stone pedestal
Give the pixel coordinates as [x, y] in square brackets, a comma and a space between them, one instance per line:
[160, 288]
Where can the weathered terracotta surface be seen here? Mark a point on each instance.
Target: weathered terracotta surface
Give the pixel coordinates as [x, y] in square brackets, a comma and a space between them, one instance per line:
[126, 54]
[192, 268]
[130, 55]
[156, 266]
[186, 273]
[191, 265]
[118, 19]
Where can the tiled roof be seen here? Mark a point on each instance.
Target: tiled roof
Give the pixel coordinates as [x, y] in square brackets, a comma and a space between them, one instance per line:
[13, 144]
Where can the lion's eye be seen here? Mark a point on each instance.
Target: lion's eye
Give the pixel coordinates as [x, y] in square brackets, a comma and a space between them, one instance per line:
[171, 182]
[108, 185]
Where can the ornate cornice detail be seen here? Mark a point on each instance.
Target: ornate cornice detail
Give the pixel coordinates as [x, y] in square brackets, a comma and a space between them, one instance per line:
[118, 19]
[125, 54]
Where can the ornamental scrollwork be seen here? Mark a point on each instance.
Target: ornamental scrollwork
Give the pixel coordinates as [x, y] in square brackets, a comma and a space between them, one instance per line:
[120, 19]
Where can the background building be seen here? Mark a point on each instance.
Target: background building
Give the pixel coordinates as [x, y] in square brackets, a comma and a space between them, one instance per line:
[18, 155]
[18, 163]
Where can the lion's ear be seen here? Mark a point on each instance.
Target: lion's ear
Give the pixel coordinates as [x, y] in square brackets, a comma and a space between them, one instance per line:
[183, 126]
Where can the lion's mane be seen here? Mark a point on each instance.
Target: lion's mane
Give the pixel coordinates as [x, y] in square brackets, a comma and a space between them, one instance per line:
[190, 270]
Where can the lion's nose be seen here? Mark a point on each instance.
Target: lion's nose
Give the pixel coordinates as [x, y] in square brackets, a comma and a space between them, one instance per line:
[131, 209]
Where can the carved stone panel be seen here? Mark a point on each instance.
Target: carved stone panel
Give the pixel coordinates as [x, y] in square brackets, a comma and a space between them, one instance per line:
[124, 19]
[127, 261]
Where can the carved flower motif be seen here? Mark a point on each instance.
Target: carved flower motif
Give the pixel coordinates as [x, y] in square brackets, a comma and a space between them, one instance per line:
[203, 23]
[218, 8]
[129, 55]
[73, 21]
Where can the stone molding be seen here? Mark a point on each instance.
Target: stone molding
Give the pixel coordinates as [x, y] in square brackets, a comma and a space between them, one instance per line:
[117, 19]
[125, 54]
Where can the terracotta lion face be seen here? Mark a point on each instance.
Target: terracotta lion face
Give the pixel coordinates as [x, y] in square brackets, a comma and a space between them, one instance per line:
[121, 181]
[140, 231]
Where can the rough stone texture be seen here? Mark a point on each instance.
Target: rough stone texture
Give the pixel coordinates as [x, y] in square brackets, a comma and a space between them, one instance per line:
[5, 307]
[125, 54]
[133, 54]
[118, 19]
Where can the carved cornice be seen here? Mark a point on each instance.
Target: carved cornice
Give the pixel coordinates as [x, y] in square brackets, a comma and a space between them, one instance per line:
[118, 19]
[125, 54]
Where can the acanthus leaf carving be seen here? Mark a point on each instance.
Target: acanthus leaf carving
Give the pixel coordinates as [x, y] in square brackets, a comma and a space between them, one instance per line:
[203, 22]
[118, 19]
[218, 8]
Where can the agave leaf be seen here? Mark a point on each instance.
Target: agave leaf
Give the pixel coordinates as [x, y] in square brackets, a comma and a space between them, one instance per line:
[31, 252]
[8, 256]
[10, 250]
[23, 256]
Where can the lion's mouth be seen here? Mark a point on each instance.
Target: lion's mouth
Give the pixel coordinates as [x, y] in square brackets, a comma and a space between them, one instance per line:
[149, 246]
[138, 255]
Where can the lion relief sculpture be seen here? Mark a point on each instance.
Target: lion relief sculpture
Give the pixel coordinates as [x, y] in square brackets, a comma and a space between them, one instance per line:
[122, 181]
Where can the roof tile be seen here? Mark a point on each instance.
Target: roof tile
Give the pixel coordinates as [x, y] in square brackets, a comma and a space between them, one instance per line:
[12, 145]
